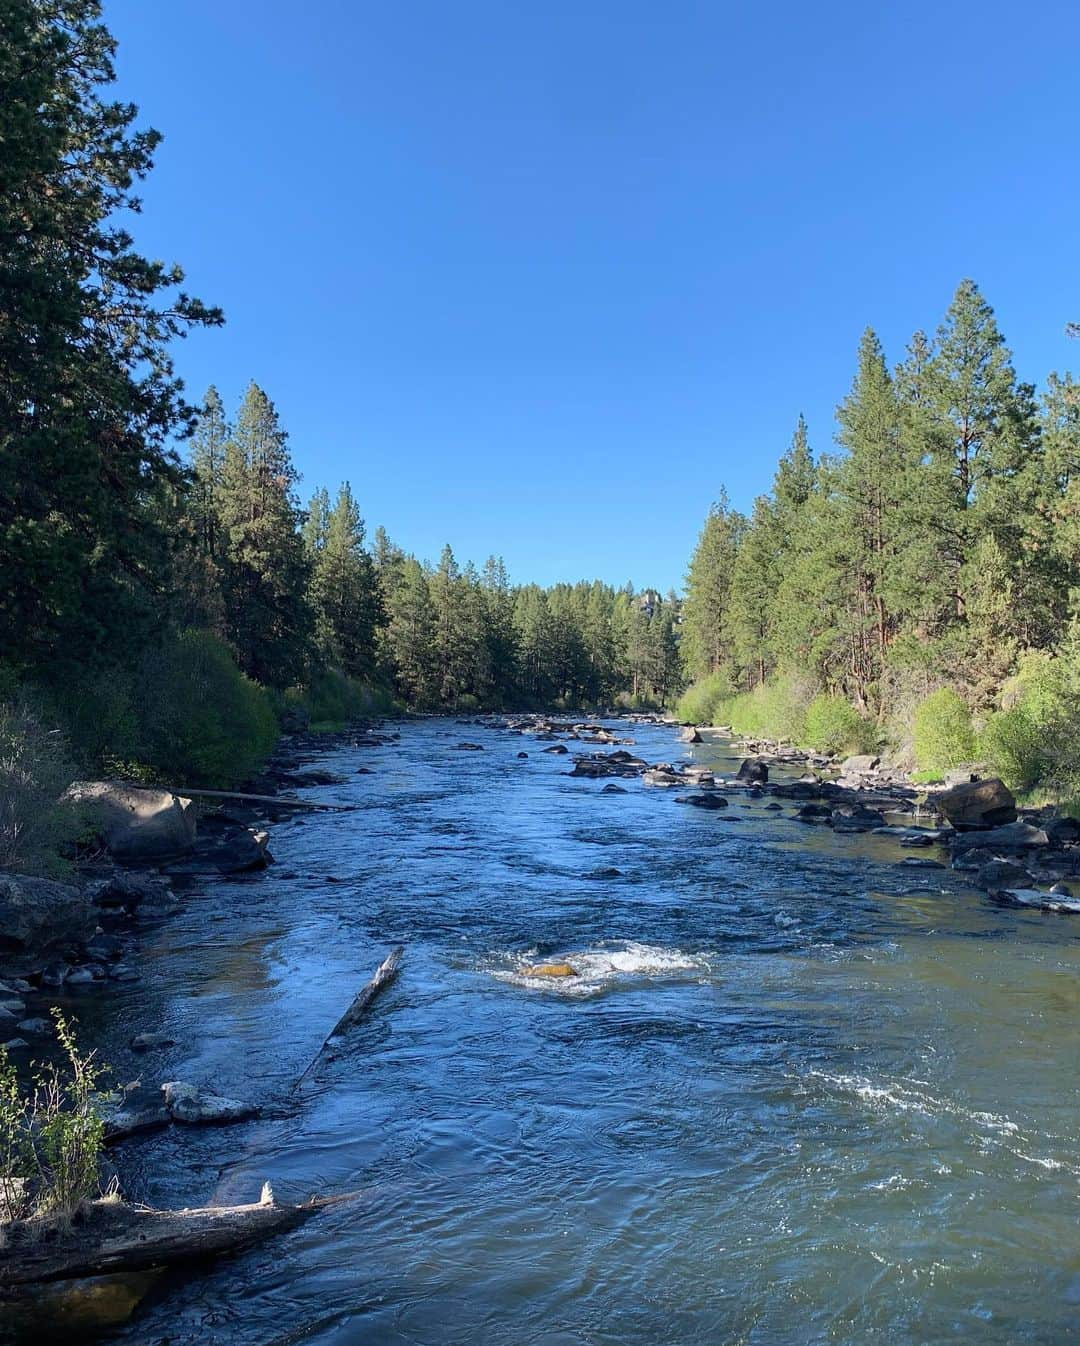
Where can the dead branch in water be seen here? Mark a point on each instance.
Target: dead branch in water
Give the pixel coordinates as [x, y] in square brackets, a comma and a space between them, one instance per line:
[384, 975]
[109, 1237]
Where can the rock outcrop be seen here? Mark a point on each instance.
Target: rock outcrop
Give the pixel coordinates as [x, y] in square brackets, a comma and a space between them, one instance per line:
[39, 919]
[137, 824]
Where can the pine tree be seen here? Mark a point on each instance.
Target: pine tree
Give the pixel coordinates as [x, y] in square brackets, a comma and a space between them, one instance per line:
[344, 591]
[265, 565]
[89, 487]
[411, 634]
[706, 638]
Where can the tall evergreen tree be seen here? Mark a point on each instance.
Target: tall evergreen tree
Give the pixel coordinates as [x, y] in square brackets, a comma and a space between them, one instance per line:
[344, 591]
[706, 637]
[89, 487]
[265, 565]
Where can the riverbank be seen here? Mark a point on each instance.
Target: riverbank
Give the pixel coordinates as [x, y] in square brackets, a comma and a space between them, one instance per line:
[734, 964]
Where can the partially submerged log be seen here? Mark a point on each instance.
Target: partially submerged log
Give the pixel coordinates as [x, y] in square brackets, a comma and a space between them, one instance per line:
[278, 801]
[110, 1237]
[384, 975]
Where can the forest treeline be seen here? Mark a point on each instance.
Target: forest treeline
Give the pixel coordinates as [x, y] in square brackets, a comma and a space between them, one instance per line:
[917, 588]
[165, 601]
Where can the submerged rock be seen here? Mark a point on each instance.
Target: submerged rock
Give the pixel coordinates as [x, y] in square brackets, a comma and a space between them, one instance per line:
[192, 1106]
[147, 1042]
[1014, 837]
[704, 801]
[549, 970]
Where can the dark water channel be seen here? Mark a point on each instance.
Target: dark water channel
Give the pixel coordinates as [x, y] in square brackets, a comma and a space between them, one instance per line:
[799, 1095]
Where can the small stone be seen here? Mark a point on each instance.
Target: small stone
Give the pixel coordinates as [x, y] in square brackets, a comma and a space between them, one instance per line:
[79, 976]
[122, 972]
[522, 754]
[55, 974]
[549, 970]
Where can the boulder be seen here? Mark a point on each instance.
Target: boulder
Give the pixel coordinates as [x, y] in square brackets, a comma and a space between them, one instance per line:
[128, 891]
[612, 789]
[549, 970]
[753, 771]
[690, 735]
[856, 818]
[193, 1106]
[37, 1028]
[558, 748]
[703, 801]
[1014, 837]
[242, 853]
[861, 764]
[1002, 873]
[978, 804]
[40, 918]
[136, 1109]
[662, 777]
[137, 823]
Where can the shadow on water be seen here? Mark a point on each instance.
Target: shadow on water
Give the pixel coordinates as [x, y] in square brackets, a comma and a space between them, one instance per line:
[799, 1093]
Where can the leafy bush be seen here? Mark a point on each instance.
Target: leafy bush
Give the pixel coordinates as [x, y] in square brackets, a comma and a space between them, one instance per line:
[1017, 748]
[700, 703]
[203, 721]
[834, 725]
[943, 733]
[50, 1140]
[35, 770]
[333, 700]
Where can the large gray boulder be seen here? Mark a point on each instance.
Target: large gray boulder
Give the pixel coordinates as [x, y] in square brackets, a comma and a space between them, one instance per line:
[138, 823]
[192, 1106]
[1012, 837]
[40, 918]
[978, 804]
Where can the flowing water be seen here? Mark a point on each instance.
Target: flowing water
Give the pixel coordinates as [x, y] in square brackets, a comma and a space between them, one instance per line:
[800, 1093]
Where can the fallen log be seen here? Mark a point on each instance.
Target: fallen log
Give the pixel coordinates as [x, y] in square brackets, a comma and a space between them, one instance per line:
[384, 975]
[110, 1236]
[278, 801]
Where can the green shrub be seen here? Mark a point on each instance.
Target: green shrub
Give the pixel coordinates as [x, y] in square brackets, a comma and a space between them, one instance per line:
[50, 1139]
[333, 700]
[701, 702]
[203, 721]
[834, 725]
[35, 770]
[943, 733]
[1015, 746]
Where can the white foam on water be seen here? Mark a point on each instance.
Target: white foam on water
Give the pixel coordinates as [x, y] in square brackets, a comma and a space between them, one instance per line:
[601, 968]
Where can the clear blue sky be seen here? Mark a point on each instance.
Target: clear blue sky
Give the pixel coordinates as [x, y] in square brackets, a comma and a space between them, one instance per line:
[539, 278]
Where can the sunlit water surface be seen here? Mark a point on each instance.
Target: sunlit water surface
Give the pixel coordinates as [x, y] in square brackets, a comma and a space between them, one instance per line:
[799, 1094]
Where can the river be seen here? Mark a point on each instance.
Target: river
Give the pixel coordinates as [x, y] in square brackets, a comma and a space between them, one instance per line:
[800, 1094]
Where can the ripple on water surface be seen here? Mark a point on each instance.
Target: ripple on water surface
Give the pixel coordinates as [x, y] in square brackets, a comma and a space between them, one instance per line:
[797, 1093]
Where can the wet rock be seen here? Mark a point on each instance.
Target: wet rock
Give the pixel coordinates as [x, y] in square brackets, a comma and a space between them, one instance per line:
[815, 813]
[753, 769]
[549, 970]
[1001, 873]
[13, 1005]
[8, 1018]
[469, 747]
[1061, 831]
[135, 1110]
[978, 805]
[1059, 889]
[919, 862]
[1032, 897]
[55, 974]
[79, 976]
[690, 735]
[15, 1044]
[558, 748]
[36, 1028]
[192, 1106]
[39, 918]
[703, 801]
[662, 777]
[1013, 837]
[797, 790]
[242, 853]
[612, 789]
[773, 807]
[522, 754]
[149, 1042]
[137, 823]
[856, 818]
[122, 972]
[105, 948]
[608, 873]
[128, 891]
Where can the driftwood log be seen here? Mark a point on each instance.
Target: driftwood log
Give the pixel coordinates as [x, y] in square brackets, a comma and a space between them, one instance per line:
[384, 975]
[278, 801]
[110, 1237]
